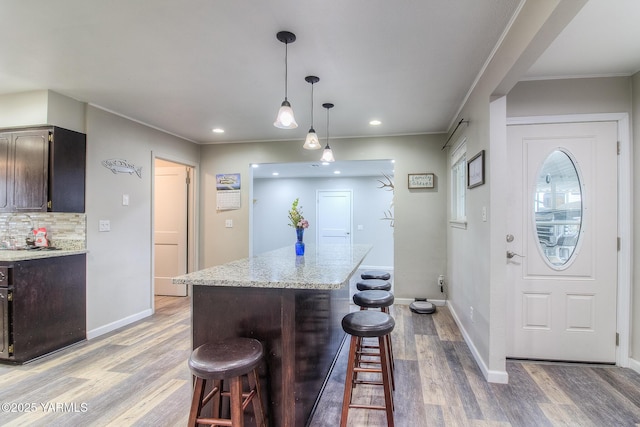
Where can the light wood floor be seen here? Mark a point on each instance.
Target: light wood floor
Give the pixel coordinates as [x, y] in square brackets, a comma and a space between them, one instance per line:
[139, 376]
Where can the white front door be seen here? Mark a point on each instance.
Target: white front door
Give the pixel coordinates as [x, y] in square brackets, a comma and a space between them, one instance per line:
[334, 216]
[170, 229]
[562, 242]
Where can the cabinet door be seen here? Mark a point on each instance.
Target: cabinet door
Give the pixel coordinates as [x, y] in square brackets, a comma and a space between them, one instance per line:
[31, 161]
[67, 154]
[6, 179]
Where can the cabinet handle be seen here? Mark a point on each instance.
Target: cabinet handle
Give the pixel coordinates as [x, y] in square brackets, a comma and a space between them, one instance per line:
[2, 276]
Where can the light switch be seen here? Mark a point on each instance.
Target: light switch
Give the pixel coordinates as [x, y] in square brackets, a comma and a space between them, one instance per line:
[104, 225]
[125, 200]
[484, 213]
[228, 223]
[360, 227]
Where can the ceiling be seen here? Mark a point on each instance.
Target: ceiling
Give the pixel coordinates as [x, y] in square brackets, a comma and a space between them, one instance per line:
[189, 66]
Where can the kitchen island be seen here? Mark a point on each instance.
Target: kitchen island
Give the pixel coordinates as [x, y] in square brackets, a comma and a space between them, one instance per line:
[293, 305]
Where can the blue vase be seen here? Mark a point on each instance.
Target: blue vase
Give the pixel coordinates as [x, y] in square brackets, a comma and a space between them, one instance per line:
[299, 242]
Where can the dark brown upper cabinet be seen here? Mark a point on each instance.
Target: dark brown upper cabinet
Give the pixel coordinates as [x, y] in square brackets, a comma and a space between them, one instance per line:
[42, 170]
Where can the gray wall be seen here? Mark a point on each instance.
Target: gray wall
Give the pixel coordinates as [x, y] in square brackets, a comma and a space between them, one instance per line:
[420, 227]
[119, 266]
[272, 200]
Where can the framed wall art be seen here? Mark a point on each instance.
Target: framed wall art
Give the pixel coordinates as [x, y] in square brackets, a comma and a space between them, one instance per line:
[475, 170]
[421, 180]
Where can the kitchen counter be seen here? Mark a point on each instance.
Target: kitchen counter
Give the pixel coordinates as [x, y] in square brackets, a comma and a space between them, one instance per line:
[323, 267]
[293, 305]
[8, 255]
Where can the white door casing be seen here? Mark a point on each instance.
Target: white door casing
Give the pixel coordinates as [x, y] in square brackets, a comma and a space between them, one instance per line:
[170, 229]
[334, 216]
[565, 312]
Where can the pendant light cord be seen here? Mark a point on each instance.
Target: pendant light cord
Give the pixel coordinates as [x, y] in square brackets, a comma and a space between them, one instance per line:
[286, 69]
[327, 127]
[312, 106]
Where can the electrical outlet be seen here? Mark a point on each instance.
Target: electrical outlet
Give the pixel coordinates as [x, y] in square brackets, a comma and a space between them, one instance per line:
[228, 223]
[104, 225]
[441, 280]
[471, 313]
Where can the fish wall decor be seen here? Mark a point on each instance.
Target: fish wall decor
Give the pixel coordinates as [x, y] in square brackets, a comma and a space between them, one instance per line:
[122, 166]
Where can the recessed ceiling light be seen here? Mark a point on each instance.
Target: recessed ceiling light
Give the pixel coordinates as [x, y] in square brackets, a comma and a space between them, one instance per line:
[375, 122]
[336, 172]
[217, 130]
[325, 163]
[255, 165]
[275, 173]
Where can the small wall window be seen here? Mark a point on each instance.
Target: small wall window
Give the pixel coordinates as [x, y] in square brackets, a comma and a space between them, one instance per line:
[458, 184]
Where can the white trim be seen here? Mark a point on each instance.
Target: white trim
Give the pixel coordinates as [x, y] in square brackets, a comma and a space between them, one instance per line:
[634, 364]
[625, 208]
[105, 329]
[499, 377]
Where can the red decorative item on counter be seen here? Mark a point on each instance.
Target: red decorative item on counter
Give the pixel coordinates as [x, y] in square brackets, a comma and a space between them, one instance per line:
[40, 236]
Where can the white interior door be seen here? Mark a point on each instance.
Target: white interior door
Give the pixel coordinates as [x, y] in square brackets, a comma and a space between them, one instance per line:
[562, 225]
[334, 216]
[170, 234]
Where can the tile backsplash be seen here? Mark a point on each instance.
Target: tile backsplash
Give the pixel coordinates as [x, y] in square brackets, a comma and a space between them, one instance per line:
[64, 230]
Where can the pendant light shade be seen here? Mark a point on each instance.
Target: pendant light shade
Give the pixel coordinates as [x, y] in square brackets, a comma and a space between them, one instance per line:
[327, 154]
[312, 142]
[285, 118]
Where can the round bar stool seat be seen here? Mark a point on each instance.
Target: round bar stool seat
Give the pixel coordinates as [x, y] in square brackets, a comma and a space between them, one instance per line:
[230, 359]
[375, 274]
[373, 299]
[367, 324]
[373, 284]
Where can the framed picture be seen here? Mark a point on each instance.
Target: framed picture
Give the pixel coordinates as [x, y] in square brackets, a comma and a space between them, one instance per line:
[421, 180]
[475, 170]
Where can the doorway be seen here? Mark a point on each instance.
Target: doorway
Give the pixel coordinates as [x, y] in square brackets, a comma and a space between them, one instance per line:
[172, 233]
[334, 216]
[562, 256]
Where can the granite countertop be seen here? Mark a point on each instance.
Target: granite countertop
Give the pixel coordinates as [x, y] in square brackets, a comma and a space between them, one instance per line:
[28, 254]
[322, 267]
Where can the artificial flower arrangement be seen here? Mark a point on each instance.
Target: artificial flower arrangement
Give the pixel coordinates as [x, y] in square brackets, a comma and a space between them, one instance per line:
[296, 220]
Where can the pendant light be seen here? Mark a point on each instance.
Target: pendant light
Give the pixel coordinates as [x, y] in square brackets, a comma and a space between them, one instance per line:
[327, 154]
[312, 142]
[285, 119]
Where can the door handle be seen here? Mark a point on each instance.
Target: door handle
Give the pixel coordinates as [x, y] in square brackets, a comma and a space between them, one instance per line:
[511, 254]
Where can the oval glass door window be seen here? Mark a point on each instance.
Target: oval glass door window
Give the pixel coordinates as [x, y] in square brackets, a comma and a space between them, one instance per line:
[557, 208]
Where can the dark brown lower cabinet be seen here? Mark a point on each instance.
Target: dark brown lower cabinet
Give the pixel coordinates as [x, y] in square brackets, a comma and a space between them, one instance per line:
[46, 307]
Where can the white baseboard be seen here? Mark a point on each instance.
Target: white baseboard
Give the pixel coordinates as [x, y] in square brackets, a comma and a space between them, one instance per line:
[634, 364]
[500, 377]
[118, 324]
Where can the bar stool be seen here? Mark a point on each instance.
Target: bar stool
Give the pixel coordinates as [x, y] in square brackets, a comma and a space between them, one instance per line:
[227, 360]
[373, 284]
[363, 324]
[375, 274]
[382, 300]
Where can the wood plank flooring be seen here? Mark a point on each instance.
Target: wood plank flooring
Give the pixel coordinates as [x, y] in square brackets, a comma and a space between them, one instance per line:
[138, 376]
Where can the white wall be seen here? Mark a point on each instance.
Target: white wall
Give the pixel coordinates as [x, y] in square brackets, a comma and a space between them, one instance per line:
[272, 200]
[119, 262]
[420, 226]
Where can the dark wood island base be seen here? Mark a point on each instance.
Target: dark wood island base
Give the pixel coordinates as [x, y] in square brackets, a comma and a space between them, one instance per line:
[293, 305]
[299, 329]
